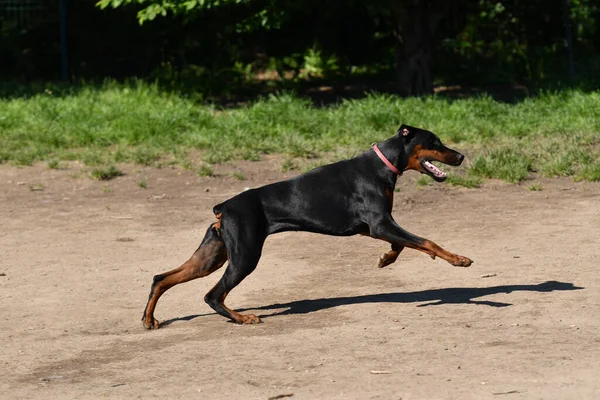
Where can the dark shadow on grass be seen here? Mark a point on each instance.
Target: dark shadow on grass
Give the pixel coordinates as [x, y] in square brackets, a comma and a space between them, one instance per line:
[433, 297]
[319, 92]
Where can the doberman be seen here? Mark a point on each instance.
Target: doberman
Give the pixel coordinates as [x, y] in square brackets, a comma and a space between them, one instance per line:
[346, 198]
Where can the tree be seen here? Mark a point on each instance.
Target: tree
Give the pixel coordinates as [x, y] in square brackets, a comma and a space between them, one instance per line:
[155, 8]
[413, 23]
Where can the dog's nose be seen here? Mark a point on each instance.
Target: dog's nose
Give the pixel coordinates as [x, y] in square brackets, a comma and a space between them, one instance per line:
[460, 158]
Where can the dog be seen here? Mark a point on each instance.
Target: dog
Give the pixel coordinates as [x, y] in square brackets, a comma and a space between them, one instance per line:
[346, 198]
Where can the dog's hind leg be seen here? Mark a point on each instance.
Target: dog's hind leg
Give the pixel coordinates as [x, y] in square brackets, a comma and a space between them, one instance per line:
[241, 264]
[244, 238]
[391, 256]
[210, 256]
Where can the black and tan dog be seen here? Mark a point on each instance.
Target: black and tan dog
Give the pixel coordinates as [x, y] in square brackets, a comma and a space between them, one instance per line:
[346, 198]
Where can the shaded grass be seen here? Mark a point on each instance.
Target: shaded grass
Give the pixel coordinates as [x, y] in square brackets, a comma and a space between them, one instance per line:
[555, 134]
[105, 173]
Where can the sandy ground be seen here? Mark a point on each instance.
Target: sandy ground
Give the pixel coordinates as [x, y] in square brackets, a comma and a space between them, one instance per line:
[77, 257]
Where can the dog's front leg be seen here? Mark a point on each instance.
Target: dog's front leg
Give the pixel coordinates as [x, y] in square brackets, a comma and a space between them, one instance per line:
[387, 229]
[391, 256]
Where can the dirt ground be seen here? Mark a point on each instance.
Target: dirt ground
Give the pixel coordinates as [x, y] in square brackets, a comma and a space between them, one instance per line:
[77, 257]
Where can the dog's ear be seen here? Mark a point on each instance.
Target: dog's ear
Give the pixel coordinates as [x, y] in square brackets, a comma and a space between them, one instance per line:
[405, 131]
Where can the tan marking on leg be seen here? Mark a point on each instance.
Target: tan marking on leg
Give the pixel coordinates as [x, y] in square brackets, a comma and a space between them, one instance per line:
[434, 250]
[389, 258]
[204, 261]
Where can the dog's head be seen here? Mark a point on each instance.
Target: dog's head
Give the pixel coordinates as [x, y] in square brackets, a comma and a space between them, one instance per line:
[422, 147]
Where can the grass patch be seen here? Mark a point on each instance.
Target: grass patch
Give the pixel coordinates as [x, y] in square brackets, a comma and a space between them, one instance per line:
[143, 183]
[250, 155]
[507, 164]
[424, 180]
[239, 176]
[218, 157]
[551, 133]
[146, 156]
[536, 187]
[105, 173]
[205, 170]
[315, 164]
[589, 172]
[559, 166]
[25, 158]
[54, 164]
[94, 157]
[288, 164]
[465, 181]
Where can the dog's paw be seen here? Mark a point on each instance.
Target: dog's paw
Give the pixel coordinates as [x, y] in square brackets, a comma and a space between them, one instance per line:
[247, 319]
[461, 261]
[387, 258]
[151, 324]
[383, 261]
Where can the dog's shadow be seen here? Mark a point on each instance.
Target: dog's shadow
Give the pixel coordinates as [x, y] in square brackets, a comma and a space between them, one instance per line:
[433, 297]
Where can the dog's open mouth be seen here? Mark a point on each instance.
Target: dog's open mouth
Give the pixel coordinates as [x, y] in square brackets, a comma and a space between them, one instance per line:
[433, 171]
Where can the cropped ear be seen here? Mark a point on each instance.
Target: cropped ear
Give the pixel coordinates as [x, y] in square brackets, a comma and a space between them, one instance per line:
[405, 131]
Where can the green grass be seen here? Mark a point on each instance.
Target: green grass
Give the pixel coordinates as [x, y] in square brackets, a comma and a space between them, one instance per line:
[239, 176]
[36, 187]
[105, 173]
[145, 156]
[317, 163]
[54, 164]
[250, 155]
[288, 164]
[465, 181]
[553, 134]
[508, 164]
[424, 180]
[590, 172]
[205, 170]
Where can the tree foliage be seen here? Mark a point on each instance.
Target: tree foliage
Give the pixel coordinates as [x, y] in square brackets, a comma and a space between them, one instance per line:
[223, 45]
[150, 9]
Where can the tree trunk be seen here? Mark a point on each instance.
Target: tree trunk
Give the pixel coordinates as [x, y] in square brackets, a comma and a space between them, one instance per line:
[413, 64]
[415, 22]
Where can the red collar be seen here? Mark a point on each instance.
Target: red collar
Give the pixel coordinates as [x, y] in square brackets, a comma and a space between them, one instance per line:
[385, 160]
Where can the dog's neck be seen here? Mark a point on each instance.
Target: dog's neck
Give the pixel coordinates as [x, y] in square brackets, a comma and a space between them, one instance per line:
[394, 150]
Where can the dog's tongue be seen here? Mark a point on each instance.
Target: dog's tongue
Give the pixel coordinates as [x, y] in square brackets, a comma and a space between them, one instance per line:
[435, 170]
